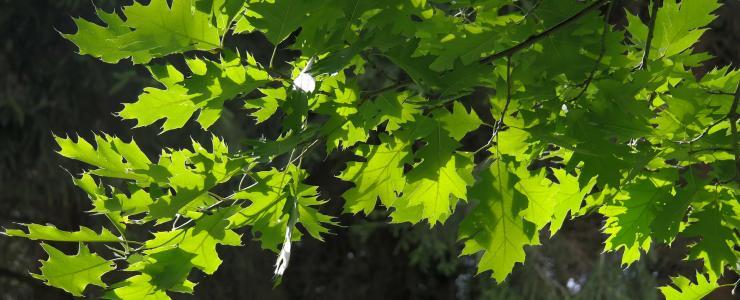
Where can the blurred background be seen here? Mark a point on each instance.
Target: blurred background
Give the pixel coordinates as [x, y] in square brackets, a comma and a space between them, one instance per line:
[47, 89]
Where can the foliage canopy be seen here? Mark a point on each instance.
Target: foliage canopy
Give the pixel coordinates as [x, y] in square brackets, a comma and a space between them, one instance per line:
[583, 117]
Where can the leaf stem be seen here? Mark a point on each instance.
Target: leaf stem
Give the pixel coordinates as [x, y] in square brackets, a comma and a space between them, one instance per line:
[272, 56]
[305, 149]
[651, 31]
[500, 121]
[124, 241]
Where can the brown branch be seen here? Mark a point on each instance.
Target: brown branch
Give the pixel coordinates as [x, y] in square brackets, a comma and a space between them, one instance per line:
[536, 37]
[651, 31]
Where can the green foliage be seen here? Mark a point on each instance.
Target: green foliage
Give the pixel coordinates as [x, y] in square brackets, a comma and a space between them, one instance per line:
[576, 119]
[496, 225]
[73, 272]
[148, 31]
[379, 178]
[206, 90]
[684, 289]
[51, 233]
[277, 196]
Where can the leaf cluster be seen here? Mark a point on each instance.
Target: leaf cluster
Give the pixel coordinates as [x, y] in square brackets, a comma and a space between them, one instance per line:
[583, 118]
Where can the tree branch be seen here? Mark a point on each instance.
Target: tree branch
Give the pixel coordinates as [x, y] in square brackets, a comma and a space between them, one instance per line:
[508, 52]
[651, 31]
[536, 37]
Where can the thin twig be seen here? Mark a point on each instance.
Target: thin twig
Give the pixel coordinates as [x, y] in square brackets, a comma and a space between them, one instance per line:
[272, 56]
[508, 52]
[602, 50]
[651, 31]
[241, 181]
[305, 149]
[719, 93]
[203, 210]
[440, 103]
[703, 133]
[174, 222]
[536, 37]
[124, 240]
[508, 96]
[373, 93]
[183, 224]
[500, 121]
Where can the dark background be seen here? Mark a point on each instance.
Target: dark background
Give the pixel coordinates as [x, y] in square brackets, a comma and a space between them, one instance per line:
[47, 89]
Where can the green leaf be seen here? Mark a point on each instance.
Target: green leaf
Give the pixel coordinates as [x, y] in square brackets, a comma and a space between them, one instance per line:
[380, 177]
[669, 215]
[268, 149]
[200, 240]
[277, 19]
[138, 201]
[51, 233]
[271, 199]
[113, 157]
[345, 126]
[147, 32]
[266, 106]
[393, 109]
[550, 202]
[435, 184]
[222, 12]
[630, 219]
[191, 175]
[73, 273]
[211, 84]
[433, 194]
[648, 148]
[159, 272]
[460, 121]
[496, 226]
[439, 146]
[683, 289]
[569, 196]
[677, 27]
[469, 46]
[717, 243]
